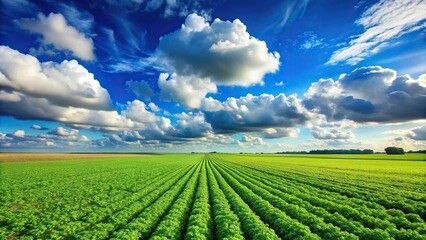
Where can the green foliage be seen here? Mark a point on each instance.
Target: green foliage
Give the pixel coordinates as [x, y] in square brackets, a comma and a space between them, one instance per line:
[216, 196]
[394, 150]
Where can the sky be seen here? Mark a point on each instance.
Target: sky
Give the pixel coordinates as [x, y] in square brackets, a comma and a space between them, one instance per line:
[231, 76]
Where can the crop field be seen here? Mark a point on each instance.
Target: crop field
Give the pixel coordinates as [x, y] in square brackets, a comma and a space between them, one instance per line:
[215, 196]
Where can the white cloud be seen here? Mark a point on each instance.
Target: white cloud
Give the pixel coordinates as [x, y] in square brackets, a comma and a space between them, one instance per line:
[83, 138]
[382, 22]
[369, 94]
[222, 51]
[153, 107]
[189, 128]
[191, 125]
[59, 94]
[405, 142]
[311, 40]
[136, 111]
[249, 141]
[46, 50]
[279, 84]
[202, 55]
[35, 126]
[38, 127]
[280, 132]
[257, 113]
[211, 105]
[9, 97]
[188, 90]
[60, 137]
[56, 31]
[416, 133]
[63, 132]
[19, 133]
[331, 133]
[63, 84]
[64, 92]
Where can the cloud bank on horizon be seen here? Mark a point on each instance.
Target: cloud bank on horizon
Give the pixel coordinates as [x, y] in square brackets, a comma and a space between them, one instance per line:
[73, 77]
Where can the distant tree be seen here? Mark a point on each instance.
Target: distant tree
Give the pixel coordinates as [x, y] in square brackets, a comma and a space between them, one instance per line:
[417, 151]
[342, 151]
[394, 150]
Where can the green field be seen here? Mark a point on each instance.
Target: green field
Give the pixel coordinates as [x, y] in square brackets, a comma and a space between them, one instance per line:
[216, 196]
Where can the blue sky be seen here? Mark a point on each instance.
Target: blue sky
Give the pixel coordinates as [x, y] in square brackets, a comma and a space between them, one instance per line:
[169, 75]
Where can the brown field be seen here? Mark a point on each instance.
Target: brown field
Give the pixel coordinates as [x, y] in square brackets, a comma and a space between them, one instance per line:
[28, 157]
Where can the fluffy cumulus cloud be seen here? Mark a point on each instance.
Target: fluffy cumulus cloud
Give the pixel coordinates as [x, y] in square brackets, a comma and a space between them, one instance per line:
[382, 22]
[280, 132]
[154, 107]
[415, 134]
[64, 92]
[63, 132]
[69, 94]
[63, 84]
[127, 140]
[331, 133]
[60, 137]
[262, 116]
[369, 94]
[191, 125]
[38, 127]
[57, 32]
[201, 55]
[256, 113]
[222, 51]
[249, 141]
[138, 112]
[188, 90]
[190, 128]
[33, 89]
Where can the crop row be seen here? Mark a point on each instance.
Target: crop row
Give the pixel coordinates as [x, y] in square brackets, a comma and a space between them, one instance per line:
[60, 210]
[394, 201]
[315, 224]
[226, 222]
[314, 216]
[200, 222]
[208, 197]
[143, 224]
[350, 208]
[129, 209]
[172, 226]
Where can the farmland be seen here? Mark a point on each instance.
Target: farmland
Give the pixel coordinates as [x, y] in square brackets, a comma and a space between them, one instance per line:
[215, 196]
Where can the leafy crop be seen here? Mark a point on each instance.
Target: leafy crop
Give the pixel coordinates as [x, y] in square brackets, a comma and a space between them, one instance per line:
[216, 196]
